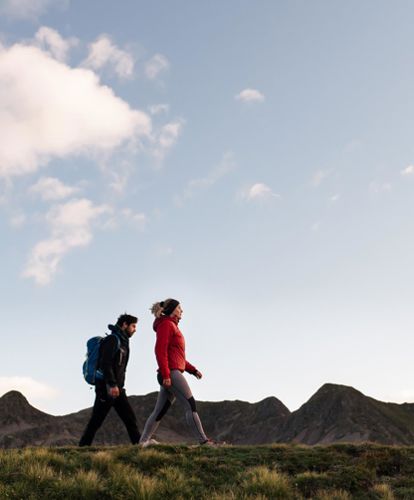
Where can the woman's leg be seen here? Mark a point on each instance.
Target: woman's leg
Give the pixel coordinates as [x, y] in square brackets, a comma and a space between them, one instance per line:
[182, 391]
[164, 401]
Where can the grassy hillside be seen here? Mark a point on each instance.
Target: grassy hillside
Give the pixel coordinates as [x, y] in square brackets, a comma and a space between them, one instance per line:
[283, 471]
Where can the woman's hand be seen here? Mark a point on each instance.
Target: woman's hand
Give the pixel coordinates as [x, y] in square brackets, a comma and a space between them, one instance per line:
[198, 375]
[166, 382]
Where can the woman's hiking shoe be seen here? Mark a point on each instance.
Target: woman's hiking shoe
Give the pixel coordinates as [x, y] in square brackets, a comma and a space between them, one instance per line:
[149, 442]
[211, 443]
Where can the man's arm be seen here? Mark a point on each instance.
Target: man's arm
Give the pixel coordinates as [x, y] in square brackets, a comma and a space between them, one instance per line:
[108, 351]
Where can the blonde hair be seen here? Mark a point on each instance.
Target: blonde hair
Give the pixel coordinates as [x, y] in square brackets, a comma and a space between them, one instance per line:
[157, 309]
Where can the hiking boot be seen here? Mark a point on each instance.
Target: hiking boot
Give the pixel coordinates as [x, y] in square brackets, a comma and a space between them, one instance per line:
[149, 442]
[211, 443]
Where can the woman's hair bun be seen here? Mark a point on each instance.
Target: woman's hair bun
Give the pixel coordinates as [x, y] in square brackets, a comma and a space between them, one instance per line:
[157, 309]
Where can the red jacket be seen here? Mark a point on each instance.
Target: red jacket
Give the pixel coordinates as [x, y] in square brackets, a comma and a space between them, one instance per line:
[170, 347]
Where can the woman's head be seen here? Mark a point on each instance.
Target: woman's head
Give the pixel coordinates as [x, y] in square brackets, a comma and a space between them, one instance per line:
[167, 307]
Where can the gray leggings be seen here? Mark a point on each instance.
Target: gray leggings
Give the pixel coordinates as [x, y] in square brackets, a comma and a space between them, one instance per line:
[179, 390]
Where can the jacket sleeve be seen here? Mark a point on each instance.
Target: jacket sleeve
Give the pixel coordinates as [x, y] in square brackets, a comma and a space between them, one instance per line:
[108, 352]
[164, 332]
[190, 368]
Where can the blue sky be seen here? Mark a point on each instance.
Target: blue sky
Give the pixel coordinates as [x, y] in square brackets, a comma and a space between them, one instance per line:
[254, 160]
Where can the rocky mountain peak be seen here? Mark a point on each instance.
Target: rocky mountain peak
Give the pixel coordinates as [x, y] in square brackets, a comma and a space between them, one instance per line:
[15, 407]
[13, 399]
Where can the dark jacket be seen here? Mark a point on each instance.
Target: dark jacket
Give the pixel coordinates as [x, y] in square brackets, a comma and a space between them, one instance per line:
[113, 361]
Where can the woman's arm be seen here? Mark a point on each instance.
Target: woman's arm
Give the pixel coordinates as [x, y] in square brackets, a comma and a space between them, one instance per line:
[190, 368]
[164, 332]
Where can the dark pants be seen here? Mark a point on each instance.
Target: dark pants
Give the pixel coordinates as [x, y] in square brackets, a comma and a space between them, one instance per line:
[103, 403]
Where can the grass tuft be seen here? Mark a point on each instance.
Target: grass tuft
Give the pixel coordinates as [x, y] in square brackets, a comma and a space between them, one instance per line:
[270, 483]
[384, 491]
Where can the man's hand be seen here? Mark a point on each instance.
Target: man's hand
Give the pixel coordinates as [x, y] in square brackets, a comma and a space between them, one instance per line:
[113, 391]
[166, 382]
[198, 375]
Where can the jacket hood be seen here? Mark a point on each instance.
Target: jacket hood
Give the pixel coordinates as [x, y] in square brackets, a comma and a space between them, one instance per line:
[158, 321]
[115, 329]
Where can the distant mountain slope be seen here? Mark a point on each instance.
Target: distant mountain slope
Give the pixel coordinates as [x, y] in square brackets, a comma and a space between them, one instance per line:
[339, 413]
[335, 413]
[233, 421]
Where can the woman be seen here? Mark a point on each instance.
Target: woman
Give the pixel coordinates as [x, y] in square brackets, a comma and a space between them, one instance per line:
[170, 354]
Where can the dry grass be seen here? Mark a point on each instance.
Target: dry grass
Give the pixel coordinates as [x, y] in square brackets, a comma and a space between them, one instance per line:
[269, 483]
[339, 472]
[384, 492]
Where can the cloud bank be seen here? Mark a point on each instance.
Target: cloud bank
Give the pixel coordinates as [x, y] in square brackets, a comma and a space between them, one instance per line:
[156, 65]
[166, 137]
[29, 9]
[104, 53]
[71, 227]
[50, 41]
[50, 188]
[50, 110]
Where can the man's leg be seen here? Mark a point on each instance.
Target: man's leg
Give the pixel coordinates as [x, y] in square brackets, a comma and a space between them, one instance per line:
[164, 401]
[100, 410]
[127, 415]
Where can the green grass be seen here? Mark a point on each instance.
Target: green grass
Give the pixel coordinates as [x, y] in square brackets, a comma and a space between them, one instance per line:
[341, 472]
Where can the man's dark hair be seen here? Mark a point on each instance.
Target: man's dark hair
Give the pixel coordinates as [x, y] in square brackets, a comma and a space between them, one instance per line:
[126, 318]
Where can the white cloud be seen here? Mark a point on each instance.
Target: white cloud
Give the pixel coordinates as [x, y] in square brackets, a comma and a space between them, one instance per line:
[103, 52]
[119, 180]
[408, 170]
[50, 188]
[156, 65]
[30, 388]
[334, 198]
[319, 176]
[259, 191]
[50, 41]
[70, 224]
[136, 218]
[165, 139]
[158, 109]
[250, 95]
[29, 9]
[226, 166]
[50, 110]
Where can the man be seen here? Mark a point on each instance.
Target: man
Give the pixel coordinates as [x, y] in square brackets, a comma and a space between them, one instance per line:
[110, 392]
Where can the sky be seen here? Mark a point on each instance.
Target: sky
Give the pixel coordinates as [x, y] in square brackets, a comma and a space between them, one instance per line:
[254, 160]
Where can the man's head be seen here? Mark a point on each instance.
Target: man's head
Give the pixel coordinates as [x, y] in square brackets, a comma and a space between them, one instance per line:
[127, 323]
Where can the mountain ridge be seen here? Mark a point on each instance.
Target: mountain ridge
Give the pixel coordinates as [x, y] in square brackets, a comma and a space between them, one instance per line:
[334, 413]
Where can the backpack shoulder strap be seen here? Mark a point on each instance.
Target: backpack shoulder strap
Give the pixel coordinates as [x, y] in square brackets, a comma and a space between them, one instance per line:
[118, 340]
